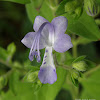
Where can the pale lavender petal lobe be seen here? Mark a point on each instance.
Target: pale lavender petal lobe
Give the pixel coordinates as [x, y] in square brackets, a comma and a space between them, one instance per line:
[28, 39]
[47, 75]
[60, 24]
[39, 20]
[62, 43]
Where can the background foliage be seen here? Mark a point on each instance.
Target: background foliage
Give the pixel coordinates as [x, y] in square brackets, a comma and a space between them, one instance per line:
[18, 75]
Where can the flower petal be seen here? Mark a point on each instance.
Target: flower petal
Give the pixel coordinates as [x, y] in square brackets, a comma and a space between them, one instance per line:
[28, 39]
[48, 34]
[60, 24]
[47, 75]
[62, 43]
[38, 22]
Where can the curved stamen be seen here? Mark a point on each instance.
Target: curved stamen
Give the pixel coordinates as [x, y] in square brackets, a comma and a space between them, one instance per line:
[33, 48]
[38, 54]
[35, 45]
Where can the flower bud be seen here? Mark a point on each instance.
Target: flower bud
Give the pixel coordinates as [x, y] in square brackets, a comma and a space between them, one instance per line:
[31, 77]
[78, 11]
[75, 74]
[91, 7]
[80, 65]
[71, 6]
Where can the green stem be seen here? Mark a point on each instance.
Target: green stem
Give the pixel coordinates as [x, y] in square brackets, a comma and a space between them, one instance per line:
[74, 49]
[91, 71]
[61, 65]
[5, 63]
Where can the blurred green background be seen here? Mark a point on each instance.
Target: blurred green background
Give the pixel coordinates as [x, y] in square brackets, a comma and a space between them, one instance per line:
[14, 62]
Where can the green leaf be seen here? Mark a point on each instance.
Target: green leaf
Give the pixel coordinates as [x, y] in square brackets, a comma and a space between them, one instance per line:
[90, 64]
[98, 1]
[14, 78]
[85, 26]
[37, 3]
[11, 49]
[46, 11]
[19, 1]
[91, 86]
[3, 54]
[3, 82]
[61, 7]
[80, 58]
[31, 11]
[25, 91]
[82, 40]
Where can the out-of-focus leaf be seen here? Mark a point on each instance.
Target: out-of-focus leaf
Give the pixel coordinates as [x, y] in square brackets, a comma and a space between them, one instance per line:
[89, 50]
[61, 7]
[90, 64]
[14, 78]
[98, 1]
[85, 26]
[79, 59]
[25, 91]
[3, 54]
[46, 11]
[31, 11]
[3, 82]
[17, 65]
[11, 48]
[91, 86]
[82, 40]
[38, 3]
[6, 55]
[19, 1]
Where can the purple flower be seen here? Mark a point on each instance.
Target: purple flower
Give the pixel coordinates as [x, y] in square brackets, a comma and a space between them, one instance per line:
[57, 40]
[47, 35]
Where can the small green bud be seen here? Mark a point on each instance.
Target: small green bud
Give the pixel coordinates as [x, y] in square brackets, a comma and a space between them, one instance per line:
[71, 6]
[75, 74]
[37, 85]
[91, 7]
[3, 82]
[80, 65]
[78, 11]
[31, 77]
